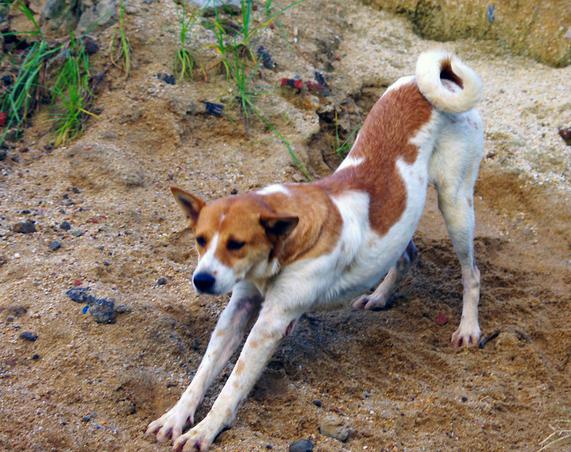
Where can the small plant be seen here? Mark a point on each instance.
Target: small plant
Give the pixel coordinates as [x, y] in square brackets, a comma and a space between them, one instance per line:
[71, 91]
[268, 8]
[343, 146]
[120, 47]
[184, 60]
[21, 99]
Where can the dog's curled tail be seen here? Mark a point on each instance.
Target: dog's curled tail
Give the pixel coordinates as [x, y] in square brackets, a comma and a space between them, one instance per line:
[446, 82]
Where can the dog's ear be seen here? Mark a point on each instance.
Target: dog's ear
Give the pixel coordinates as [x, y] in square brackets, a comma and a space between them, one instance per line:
[191, 204]
[278, 227]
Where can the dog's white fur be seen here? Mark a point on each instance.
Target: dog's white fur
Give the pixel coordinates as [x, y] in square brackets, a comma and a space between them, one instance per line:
[450, 149]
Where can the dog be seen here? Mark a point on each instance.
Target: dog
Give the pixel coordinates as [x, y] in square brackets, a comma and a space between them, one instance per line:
[291, 248]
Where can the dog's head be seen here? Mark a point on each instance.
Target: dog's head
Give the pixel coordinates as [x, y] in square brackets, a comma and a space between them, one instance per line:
[236, 237]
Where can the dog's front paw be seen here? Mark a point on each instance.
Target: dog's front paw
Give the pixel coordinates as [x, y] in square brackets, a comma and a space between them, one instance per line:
[467, 335]
[372, 302]
[198, 438]
[172, 423]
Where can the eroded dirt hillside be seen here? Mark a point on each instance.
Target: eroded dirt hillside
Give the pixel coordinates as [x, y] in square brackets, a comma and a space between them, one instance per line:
[392, 375]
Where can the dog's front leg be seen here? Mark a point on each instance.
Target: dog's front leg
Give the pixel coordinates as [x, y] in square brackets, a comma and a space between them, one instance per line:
[226, 337]
[271, 326]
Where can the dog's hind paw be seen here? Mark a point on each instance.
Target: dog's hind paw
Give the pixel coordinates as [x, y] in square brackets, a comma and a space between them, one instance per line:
[372, 302]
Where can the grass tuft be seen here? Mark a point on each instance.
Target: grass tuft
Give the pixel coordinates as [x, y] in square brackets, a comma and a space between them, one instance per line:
[120, 46]
[185, 62]
[71, 92]
[343, 146]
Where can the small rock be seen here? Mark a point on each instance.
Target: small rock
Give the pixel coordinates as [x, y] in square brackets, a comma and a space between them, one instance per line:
[301, 445]
[441, 319]
[87, 417]
[266, 58]
[122, 309]
[17, 311]
[35, 356]
[80, 295]
[90, 45]
[161, 281]
[77, 232]
[566, 135]
[335, 427]
[54, 245]
[25, 227]
[317, 403]
[29, 336]
[3, 154]
[167, 78]
[214, 109]
[65, 226]
[464, 399]
[103, 310]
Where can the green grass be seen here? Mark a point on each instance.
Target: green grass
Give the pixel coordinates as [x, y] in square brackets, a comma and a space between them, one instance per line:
[21, 99]
[343, 146]
[58, 72]
[71, 92]
[120, 46]
[239, 64]
[185, 62]
[268, 8]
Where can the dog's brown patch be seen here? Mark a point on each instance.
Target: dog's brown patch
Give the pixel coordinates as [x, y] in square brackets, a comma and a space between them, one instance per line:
[384, 139]
[239, 367]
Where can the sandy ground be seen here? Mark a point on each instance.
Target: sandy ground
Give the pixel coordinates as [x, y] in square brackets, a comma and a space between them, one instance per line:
[392, 376]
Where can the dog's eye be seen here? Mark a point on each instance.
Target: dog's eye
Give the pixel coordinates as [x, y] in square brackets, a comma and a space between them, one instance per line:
[234, 244]
[201, 241]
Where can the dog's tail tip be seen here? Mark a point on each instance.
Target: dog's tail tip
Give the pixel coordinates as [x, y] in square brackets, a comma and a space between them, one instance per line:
[447, 83]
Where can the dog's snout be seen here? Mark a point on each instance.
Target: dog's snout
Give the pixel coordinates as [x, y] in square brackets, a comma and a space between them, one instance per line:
[203, 281]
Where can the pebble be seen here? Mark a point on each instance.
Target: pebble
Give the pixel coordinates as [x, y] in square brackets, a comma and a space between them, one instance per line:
[54, 245]
[167, 78]
[566, 135]
[35, 356]
[441, 319]
[3, 154]
[80, 295]
[29, 336]
[213, 108]
[317, 403]
[77, 232]
[162, 281]
[103, 310]
[91, 46]
[301, 445]
[266, 58]
[25, 227]
[122, 309]
[65, 225]
[335, 427]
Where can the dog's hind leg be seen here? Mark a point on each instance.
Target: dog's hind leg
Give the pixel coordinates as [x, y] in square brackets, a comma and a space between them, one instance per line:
[454, 169]
[380, 298]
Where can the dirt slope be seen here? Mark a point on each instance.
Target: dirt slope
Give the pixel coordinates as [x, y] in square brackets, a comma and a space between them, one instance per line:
[391, 375]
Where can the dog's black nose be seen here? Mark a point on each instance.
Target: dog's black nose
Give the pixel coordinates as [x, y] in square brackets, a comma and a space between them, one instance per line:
[204, 281]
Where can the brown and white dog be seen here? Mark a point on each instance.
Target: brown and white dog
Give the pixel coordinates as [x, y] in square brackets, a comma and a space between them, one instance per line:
[291, 248]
